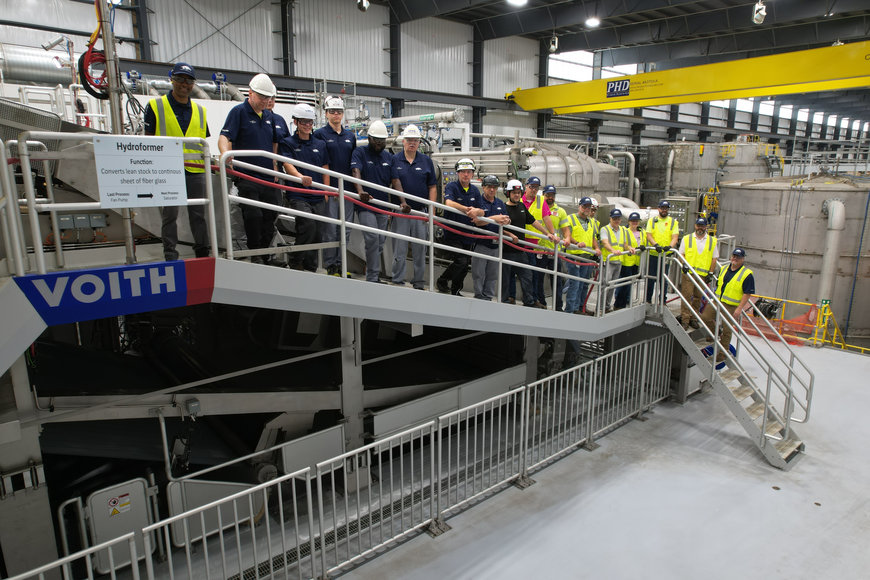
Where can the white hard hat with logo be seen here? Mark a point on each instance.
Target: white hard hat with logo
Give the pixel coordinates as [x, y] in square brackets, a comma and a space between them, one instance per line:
[513, 184]
[262, 84]
[464, 163]
[411, 132]
[303, 111]
[333, 103]
[378, 130]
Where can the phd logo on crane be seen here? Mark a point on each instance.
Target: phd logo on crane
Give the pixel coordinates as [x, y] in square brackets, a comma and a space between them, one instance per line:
[64, 297]
[618, 88]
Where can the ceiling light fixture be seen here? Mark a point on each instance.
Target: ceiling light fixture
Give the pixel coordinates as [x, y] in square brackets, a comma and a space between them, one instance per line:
[517, 2]
[593, 22]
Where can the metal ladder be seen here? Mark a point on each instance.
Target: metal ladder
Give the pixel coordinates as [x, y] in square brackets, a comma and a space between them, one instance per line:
[766, 406]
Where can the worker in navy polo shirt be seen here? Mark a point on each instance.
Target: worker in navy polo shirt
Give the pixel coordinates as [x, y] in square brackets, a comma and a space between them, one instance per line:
[249, 125]
[303, 146]
[465, 197]
[282, 129]
[373, 163]
[171, 115]
[340, 143]
[417, 174]
[484, 273]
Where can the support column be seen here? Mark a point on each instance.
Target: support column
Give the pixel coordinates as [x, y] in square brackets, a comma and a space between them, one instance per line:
[288, 55]
[477, 113]
[141, 10]
[24, 502]
[395, 72]
[352, 397]
[753, 119]
[543, 81]
[674, 132]
[596, 64]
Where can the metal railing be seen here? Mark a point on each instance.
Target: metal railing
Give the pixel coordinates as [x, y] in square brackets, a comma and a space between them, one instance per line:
[73, 565]
[373, 496]
[787, 383]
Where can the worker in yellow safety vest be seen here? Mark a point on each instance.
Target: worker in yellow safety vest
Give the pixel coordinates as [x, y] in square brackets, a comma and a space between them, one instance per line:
[701, 252]
[635, 243]
[662, 233]
[175, 115]
[734, 287]
[614, 238]
[584, 255]
[535, 204]
[557, 216]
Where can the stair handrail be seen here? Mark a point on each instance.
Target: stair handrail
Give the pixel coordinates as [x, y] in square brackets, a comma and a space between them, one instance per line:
[785, 386]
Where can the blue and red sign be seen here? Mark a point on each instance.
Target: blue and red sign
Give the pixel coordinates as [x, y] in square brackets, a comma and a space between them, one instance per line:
[73, 296]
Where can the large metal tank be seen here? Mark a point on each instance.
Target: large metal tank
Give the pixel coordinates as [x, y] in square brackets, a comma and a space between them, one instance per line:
[782, 224]
[692, 172]
[573, 173]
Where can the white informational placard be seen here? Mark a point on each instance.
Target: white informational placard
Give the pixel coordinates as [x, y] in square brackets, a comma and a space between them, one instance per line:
[139, 171]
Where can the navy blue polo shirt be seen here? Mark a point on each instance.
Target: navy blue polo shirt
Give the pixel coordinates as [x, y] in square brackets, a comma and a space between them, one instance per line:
[468, 197]
[282, 129]
[375, 168]
[311, 151]
[491, 208]
[247, 130]
[416, 178]
[340, 147]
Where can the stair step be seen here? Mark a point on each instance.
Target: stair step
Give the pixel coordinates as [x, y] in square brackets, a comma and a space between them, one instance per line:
[741, 392]
[755, 410]
[773, 427]
[729, 375]
[701, 343]
[786, 447]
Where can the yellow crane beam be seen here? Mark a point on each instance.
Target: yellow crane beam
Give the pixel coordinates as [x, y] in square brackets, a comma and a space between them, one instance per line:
[820, 69]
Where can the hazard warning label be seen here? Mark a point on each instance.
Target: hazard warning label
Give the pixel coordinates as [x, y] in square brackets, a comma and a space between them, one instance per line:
[119, 505]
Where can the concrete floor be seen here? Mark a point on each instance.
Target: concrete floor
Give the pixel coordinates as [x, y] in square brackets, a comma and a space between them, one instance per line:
[682, 495]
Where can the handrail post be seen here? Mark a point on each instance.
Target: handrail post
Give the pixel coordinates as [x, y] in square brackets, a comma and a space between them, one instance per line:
[342, 228]
[431, 225]
[500, 254]
[33, 215]
[228, 230]
[209, 195]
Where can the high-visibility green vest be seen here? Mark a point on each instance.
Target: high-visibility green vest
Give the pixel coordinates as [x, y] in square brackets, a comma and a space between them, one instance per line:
[662, 229]
[536, 208]
[631, 241]
[581, 233]
[733, 292]
[699, 258]
[557, 215]
[167, 125]
[617, 241]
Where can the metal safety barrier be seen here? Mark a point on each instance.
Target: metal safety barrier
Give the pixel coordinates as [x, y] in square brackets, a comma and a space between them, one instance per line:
[370, 497]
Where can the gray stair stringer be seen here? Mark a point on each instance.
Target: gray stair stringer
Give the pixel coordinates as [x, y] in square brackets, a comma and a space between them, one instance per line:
[793, 446]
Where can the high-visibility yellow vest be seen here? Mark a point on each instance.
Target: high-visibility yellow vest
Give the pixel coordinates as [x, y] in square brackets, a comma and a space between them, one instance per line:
[536, 208]
[557, 215]
[699, 258]
[733, 292]
[581, 233]
[167, 125]
[617, 241]
[662, 229]
[631, 241]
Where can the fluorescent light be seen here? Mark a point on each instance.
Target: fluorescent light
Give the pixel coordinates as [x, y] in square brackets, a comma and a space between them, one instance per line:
[593, 22]
[517, 2]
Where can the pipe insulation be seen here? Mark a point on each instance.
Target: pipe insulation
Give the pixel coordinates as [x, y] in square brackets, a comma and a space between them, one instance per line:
[836, 224]
[32, 65]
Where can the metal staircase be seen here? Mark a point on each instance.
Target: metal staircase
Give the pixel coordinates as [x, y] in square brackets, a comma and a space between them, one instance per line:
[768, 389]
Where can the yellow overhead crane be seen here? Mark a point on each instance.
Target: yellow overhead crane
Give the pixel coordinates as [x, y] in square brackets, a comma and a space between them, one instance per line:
[820, 69]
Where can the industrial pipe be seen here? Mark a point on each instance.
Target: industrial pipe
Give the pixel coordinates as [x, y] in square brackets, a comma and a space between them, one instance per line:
[836, 223]
[630, 157]
[455, 116]
[31, 65]
[669, 170]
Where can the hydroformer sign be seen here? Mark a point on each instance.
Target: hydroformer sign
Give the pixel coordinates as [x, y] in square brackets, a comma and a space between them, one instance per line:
[73, 296]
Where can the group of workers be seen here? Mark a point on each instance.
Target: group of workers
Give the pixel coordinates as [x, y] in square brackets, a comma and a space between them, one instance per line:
[540, 224]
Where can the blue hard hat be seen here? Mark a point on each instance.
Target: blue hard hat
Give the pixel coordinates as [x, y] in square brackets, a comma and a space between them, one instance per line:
[633, 216]
[585, 201]
[182, 68]
[550, 189]
[664, 203]
[739, 252]
[615, 213]
[700, 222]
[533, 181]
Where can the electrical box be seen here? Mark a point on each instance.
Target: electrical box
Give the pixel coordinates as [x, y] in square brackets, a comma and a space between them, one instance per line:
[98, 220]
[685, 211]
[82, 221]
[66, 222]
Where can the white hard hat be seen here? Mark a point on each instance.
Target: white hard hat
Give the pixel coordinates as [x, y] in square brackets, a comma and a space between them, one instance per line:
[303, 111]
[411, 132]
[512, 184]
[378, 130]
[262, 84]
[594, 202]
[333, 103]
[464, 163]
